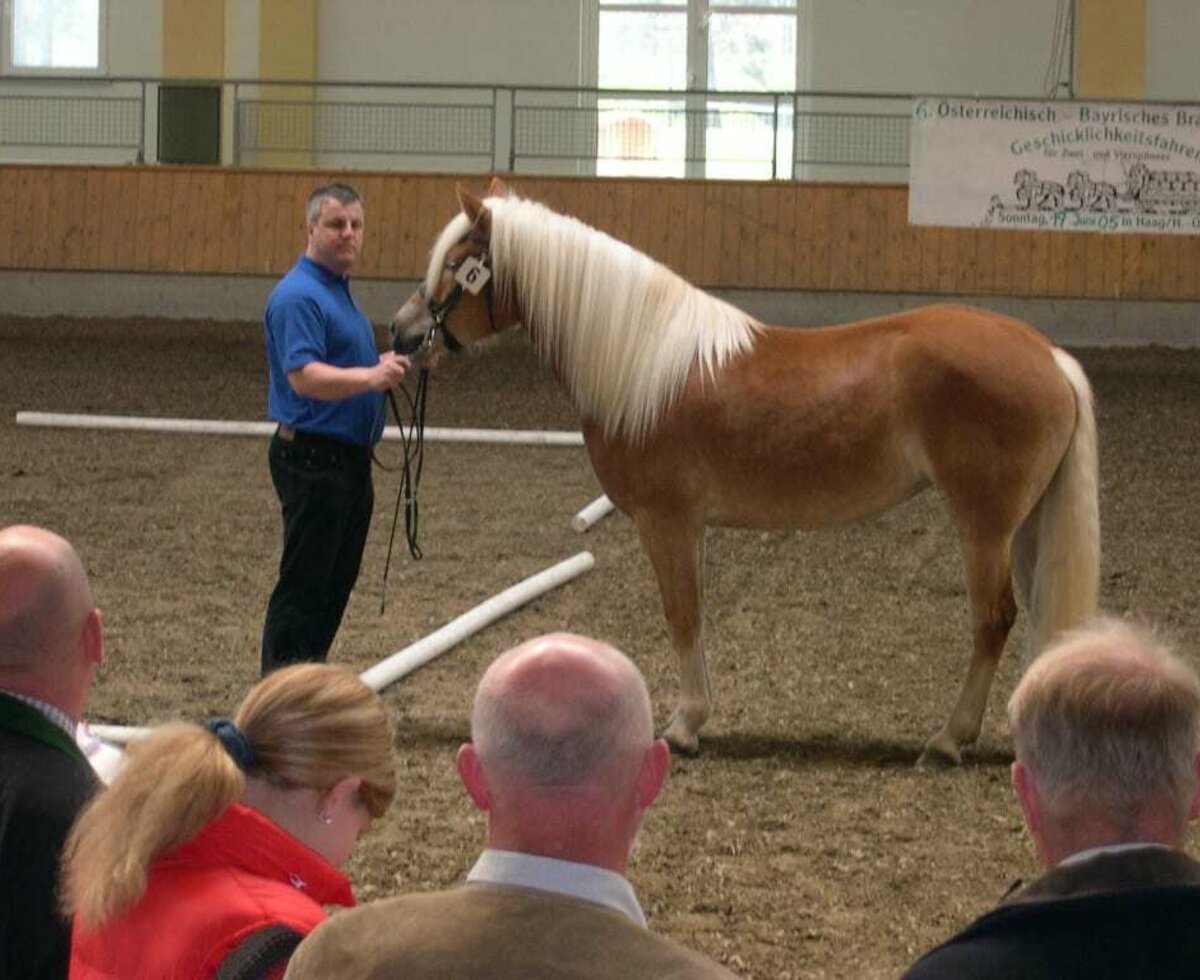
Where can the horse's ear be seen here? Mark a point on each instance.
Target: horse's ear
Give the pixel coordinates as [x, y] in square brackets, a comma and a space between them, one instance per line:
[497, 188]
[470, 204]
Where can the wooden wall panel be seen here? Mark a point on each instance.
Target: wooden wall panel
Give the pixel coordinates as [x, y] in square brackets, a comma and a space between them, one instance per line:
[266, 189]
[1113, 263]
[8, 197]
[713, 232]
[983, 247]
[291, 227]
[777, 203]
[820, 240]
[405, 256]
[675, 230]
[1131, 269]
[879, 237]
[694, 224]
[21, 217]
[603, 206]
[93, 211]
[802, 236]
[383, 232]
[73, 234]
[718, 234]
[40, 221]
[1189, 275]
[436, 204]
[836, 212]
[749, 223]
[657, 225]
[855, 220]
[195, 240]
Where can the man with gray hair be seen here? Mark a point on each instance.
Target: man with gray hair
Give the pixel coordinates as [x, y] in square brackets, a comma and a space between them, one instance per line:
[50, 647]
[1105, 726]
[564, 762]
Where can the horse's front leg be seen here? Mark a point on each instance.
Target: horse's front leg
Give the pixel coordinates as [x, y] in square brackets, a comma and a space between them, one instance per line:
[676, 551]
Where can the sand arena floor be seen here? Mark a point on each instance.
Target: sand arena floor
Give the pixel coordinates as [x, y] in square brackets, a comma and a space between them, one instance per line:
[801, 842]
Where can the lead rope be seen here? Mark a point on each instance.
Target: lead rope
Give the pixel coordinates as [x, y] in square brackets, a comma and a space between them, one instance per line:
[412, 441]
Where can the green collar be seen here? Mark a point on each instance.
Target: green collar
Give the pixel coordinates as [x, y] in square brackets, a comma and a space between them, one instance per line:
[23, 719]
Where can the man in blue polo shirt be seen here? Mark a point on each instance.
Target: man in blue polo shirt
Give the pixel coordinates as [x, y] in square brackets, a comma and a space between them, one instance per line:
[326, 389]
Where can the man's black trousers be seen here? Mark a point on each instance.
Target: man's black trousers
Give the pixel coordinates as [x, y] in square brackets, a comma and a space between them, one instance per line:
[324, 487]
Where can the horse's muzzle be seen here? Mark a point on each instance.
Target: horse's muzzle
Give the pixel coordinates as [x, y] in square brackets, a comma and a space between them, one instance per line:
[408, 345]
[412, 327]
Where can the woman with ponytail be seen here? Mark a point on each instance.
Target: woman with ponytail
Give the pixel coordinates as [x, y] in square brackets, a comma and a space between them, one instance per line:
[214, 850]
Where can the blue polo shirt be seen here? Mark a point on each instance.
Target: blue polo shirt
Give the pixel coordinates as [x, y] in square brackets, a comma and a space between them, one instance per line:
[311, 316]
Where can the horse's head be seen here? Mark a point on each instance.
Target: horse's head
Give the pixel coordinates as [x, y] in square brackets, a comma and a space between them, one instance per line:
[457, 303]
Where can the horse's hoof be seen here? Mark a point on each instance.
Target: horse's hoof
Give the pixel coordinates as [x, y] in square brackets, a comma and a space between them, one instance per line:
[689, 750]
[939, 757]
[681, 741]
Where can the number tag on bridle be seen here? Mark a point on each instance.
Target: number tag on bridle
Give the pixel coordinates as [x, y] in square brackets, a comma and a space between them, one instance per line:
[472, 275]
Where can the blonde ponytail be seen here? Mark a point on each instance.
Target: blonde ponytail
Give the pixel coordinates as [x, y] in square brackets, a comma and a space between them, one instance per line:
[171, 785]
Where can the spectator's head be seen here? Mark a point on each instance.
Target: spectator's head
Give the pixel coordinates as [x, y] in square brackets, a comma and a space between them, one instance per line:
[334, 217]
[563, 756]
[1105, 726]
[310, 749]
[50, 631]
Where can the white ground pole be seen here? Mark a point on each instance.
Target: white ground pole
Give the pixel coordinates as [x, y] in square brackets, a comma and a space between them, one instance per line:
[405, 661]
[417, 655]
[599, 508]
[68, 420]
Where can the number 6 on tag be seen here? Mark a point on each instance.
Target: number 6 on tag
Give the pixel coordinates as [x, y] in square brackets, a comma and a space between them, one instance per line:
[472, 275]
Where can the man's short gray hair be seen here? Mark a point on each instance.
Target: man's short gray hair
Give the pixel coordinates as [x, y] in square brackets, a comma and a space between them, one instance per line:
[342, 193]
[1108, 718]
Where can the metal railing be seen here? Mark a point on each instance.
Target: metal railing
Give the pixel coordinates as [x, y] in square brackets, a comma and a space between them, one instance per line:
[522, 129]
[70, 118]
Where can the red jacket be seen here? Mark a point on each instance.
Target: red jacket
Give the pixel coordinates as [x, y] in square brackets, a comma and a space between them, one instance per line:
[240, 873]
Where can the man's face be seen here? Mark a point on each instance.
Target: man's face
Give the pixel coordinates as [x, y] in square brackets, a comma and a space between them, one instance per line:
[335, 241]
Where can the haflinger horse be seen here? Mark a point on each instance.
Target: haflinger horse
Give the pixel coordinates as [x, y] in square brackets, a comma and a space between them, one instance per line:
[695, 414]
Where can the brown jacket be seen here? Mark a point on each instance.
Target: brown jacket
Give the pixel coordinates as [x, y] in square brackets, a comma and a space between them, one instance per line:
[494, 932]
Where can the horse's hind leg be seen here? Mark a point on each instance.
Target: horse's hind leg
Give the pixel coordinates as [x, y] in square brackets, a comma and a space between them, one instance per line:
[993, 609]
[676, 551]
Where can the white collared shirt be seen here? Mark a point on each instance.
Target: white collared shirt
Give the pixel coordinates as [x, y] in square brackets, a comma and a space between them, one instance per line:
[583, 881]
[1080, 856]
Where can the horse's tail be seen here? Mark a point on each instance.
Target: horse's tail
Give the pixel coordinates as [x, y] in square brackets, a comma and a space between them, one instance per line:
[1058, 546]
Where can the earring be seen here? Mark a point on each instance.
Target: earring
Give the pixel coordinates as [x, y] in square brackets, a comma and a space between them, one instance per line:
[325, 818]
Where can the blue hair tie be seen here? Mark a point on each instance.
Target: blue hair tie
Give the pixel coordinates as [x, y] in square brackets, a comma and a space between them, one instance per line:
[234, 742]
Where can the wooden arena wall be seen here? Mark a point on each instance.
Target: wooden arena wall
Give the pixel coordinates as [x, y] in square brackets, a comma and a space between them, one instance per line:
[717, 234]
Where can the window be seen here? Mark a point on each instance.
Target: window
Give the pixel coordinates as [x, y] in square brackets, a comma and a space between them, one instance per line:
[743, 47]
[60, 36]
[643, 46]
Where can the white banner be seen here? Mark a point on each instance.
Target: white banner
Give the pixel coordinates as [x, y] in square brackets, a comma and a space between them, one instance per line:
[1071, 166]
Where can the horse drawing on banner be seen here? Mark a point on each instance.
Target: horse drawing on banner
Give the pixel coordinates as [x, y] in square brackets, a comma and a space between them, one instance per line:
[694, 414]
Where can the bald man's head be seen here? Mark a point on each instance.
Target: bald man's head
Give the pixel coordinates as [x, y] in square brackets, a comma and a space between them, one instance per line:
[561, 711]
[45, 599]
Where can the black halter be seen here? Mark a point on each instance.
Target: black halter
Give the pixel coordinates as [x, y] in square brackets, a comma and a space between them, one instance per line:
[438, 312]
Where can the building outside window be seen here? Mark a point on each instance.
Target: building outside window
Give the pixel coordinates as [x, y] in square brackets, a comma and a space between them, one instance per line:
[684, 47]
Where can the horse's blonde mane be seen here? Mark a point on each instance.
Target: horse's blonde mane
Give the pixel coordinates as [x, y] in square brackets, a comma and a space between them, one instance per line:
[622, 330]
[452, 233]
